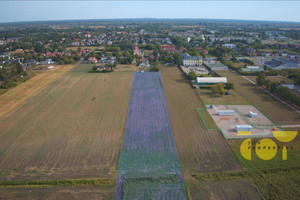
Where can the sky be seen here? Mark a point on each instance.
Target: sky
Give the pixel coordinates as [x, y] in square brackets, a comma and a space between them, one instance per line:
[15, 11]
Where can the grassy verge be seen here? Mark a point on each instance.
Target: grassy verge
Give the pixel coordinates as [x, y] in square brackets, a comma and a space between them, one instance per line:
[207, 120]
[271, 183]
[74, 182]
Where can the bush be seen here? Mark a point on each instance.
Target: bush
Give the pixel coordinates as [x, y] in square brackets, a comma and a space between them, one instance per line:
[8, 84]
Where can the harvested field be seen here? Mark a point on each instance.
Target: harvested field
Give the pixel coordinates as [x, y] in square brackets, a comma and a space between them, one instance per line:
[66, 193]
[279, 112]
[276, 79]
[17, 95]
[148, 166]
[61, 133]
[223, 189]
[125, 68]
[199, 150]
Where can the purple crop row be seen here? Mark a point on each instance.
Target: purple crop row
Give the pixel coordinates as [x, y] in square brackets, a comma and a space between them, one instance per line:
[148, 151]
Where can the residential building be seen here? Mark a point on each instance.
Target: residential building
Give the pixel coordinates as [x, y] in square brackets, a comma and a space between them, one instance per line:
[191, 60]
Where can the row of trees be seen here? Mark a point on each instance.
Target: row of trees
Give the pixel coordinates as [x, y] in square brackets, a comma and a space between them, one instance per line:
[283, 92]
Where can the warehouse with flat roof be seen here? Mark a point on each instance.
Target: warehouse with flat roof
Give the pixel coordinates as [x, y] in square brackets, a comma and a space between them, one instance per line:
[215, 66]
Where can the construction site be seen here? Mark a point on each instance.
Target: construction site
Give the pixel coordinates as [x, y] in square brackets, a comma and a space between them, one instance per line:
[241, 121]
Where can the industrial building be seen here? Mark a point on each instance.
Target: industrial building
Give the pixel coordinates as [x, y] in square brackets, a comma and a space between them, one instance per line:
[208, 81]
[252, 114]
[226, 112]
[250, 69]
[216, 66]
[244, 127]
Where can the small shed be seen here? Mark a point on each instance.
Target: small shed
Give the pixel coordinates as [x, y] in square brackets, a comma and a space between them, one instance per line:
[252, 114]
[226, 112]
[244, 127]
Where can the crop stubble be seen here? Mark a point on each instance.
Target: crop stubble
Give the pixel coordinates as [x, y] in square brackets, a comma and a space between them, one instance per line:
[60, 133]
[199, 150]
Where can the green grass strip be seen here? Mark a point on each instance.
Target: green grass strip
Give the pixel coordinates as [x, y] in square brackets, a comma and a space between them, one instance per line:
[210, 129]
[72, 182]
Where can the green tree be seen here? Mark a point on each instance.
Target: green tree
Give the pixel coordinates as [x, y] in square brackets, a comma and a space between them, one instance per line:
[261, 79]
[229, 86]
[192, 75]
[218, 89]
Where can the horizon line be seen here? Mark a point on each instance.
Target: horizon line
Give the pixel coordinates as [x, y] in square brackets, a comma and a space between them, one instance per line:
[158, 18]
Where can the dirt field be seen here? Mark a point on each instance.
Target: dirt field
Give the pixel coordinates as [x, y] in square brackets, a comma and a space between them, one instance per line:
[199, 150]
[278, 111]
[126, 68]
[66, 193]
[17, 95]
[223, 189]
[61, 133]
[262, 126]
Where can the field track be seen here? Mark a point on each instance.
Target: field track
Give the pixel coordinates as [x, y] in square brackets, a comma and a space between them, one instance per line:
[20, 93]
[60, 133]
[199, 150]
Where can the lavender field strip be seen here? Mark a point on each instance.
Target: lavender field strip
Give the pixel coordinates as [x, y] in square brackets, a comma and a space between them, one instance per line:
[148, 164]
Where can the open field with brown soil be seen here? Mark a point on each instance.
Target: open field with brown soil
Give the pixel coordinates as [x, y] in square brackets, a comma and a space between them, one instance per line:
[276, 79]
[126, 68]
[61, 133]
[199, 150]
[270, 106]
[66, 193]
[223, 189]
[17, 95]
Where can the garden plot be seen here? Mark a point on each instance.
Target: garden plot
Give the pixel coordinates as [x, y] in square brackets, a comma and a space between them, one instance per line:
[261, 124]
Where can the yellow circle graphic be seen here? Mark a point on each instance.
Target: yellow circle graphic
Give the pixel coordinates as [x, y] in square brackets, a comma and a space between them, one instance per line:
[266, 149]
[245, 149]
[285, 136]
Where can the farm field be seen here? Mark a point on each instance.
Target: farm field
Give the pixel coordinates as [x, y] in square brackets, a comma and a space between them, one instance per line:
[17, 95]
[208, 97]
[60, 133]
[223, 189]
[125, 68]
[293, 156]
[199, 150]
[277, 111]
[276, 79]
[67, 193]
[148, 165]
